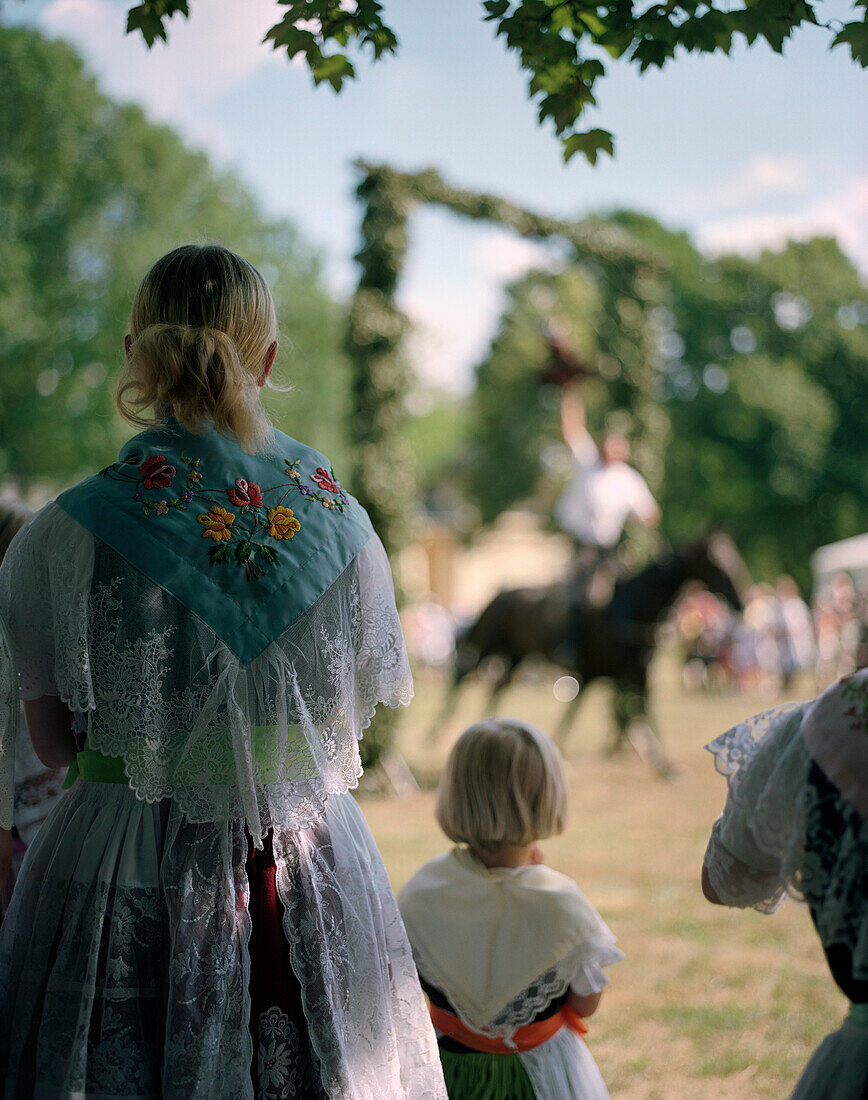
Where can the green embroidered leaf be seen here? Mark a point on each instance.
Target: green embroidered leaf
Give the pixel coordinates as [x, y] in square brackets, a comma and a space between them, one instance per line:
[243, 551]
[218, 554]
[269, 554]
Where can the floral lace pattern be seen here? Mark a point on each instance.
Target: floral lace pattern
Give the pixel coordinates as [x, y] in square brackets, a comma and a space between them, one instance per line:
[268, 741]
[125, 962]
[283, 1069]
[355, 1008]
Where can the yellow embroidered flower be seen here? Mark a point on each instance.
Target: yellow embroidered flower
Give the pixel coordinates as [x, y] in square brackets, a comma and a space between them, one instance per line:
[217, 523]
[161, 507]
[193, 477]
[282, 524]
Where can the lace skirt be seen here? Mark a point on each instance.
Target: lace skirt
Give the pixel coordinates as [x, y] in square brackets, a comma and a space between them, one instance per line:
[125, 961]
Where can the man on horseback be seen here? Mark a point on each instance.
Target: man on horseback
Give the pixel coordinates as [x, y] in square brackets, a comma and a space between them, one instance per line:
[603, 493]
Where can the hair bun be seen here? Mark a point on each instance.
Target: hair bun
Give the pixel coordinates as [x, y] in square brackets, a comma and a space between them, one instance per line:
[201, 325]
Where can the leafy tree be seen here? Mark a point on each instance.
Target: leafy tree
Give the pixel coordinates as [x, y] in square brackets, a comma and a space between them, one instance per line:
[765, 399]
[92, 193]
[761, 387]
[563, 45]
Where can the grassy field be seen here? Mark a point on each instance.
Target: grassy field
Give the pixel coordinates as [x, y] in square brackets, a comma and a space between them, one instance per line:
[709, 1002]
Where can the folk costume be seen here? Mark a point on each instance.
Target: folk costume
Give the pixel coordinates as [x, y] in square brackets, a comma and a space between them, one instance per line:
[498, 951]
[796, 821]
[205, 913]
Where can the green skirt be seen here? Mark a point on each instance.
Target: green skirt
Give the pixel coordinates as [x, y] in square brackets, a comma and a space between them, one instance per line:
[485, 1077]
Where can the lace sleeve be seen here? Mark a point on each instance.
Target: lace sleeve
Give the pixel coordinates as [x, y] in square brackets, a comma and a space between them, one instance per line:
[757, 844]
[44, 589]
[8, 727]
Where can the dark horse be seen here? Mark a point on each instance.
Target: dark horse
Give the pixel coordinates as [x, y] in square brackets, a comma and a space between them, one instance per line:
[615, 641]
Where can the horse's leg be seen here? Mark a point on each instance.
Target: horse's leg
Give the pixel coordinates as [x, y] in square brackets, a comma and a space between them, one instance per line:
[634, 725]
[500, 685]
[568, 719]
[446, 711]
[624, 711]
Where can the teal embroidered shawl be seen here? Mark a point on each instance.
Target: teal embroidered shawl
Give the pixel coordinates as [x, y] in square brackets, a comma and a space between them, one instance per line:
[246, 542]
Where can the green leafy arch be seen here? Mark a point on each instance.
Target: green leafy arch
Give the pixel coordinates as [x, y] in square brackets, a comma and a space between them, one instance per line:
[627, 276]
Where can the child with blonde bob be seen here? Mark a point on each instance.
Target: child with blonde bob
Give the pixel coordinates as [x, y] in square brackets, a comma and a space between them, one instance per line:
[510, 952]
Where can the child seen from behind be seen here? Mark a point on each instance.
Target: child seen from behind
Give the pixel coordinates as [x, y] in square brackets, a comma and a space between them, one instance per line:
[510, 952]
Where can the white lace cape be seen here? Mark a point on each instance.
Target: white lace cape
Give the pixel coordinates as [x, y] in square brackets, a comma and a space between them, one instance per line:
[477, 934]
[148, 682]
[773, 836]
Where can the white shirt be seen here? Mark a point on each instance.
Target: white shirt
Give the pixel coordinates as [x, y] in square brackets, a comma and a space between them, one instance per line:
[601, 497]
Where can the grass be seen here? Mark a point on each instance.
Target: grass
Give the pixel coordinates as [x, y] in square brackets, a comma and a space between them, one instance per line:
[710, 1003]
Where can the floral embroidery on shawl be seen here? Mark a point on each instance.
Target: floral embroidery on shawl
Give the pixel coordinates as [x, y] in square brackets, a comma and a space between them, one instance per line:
[248, 528]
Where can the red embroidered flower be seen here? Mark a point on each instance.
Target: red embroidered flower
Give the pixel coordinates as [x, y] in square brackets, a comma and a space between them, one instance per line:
[325, 480]
[245, 492]
[156, 473]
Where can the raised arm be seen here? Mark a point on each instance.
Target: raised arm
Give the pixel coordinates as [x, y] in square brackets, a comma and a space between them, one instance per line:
[573, 425]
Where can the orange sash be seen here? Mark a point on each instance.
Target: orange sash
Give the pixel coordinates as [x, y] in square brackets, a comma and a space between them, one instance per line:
[524, 1038]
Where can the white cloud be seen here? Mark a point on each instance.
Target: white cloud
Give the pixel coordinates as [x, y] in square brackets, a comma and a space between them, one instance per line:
[842, 214]
[456, 316]
[451, 330]
[762, 177]
[504, 255]
[207, 56]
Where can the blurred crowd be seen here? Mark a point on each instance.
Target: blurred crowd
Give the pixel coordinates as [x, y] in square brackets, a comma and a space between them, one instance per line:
[776, 638]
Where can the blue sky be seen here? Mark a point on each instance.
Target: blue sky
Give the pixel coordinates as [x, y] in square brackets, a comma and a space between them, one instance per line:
[742, 152]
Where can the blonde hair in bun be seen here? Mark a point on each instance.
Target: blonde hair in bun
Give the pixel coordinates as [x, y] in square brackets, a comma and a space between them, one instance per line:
[201, 324]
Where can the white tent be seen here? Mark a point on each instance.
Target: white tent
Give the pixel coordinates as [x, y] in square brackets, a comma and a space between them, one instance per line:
[848, 556]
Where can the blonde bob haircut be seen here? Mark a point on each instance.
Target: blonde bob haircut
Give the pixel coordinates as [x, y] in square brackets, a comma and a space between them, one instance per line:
[201, 324]
[503, 785]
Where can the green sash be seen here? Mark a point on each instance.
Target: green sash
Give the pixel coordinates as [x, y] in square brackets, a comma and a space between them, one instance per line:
[96, 767]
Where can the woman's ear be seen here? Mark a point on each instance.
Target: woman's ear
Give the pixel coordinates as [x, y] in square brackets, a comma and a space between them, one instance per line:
[269, 363]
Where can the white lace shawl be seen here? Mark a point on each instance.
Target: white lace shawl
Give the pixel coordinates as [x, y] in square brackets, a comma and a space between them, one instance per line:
[150, 683]
[774, 838]
[502, 943]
